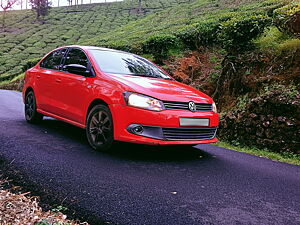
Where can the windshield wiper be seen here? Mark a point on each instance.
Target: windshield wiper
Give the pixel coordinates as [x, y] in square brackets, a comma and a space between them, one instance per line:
[148, 75]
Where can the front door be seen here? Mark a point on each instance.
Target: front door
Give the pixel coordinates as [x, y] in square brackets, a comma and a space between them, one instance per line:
[76, 87]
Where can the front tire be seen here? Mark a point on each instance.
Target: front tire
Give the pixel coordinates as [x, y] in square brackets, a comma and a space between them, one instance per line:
[99, 128]
[31, 115]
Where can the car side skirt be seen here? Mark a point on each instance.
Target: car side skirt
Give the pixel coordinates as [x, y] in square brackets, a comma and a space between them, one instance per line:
[61, 118]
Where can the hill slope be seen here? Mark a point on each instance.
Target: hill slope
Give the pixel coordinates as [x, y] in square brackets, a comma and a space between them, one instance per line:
[106, 24]
[25, 38]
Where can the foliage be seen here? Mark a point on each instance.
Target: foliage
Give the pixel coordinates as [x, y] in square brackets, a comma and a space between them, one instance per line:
[59, 208]
[287, 18]
[214, 76]
[199, 34]
[242, 102]
[290, 92]
[113, 25]
[290, 45]
[237, 33]
[271, 39]
[30, 63]
[41, 7]
[123, 46]
[118, 45]
[159, 46]
[25, 38]
[6, 5]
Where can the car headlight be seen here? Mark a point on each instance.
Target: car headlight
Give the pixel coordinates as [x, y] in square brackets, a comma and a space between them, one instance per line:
[214, 108]
[143, 101]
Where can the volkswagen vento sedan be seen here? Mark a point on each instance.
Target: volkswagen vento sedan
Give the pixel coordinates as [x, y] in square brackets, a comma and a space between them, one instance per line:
[117, 96]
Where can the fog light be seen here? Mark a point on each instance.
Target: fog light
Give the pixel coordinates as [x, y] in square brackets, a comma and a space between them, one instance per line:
[137, 129]
[146, 131]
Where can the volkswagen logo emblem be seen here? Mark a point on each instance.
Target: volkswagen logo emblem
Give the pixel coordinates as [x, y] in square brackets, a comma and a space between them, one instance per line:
[192, 106]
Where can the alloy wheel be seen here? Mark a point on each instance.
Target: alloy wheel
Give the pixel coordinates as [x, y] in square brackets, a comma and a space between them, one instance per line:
[100, 128]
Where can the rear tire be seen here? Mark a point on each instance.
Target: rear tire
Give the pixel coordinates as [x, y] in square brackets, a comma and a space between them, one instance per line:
[99, 128]
[31, 115]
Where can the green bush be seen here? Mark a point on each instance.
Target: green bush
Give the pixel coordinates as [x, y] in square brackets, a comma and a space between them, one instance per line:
[287, 19]
[116, 45]
[30, 63]
[199, 34]
[159, 46]
[290, 45]
[236, 34]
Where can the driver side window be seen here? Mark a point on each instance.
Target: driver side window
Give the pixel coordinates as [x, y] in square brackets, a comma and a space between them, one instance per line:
[76, 56]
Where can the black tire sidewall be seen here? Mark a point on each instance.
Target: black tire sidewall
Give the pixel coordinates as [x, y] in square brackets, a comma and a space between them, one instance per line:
[36, 117]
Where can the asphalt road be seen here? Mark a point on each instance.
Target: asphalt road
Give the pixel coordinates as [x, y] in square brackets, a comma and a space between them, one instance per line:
[142, 185]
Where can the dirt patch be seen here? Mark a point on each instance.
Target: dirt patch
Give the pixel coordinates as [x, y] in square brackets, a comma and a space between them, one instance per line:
[197, 68]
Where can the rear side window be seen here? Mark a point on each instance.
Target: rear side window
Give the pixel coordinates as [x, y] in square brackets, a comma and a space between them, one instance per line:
[53, 60]
[76, 56]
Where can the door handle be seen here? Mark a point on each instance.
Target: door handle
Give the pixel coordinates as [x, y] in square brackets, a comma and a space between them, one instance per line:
[58, 80]
[38, 76]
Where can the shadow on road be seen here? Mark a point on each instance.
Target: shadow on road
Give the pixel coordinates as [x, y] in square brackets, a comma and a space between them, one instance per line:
[167, 153]
[126, 151]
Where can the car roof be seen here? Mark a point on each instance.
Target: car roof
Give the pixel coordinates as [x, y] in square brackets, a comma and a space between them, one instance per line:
[86, 47]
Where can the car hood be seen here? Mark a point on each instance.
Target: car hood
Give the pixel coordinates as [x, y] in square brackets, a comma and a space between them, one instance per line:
[168, 90]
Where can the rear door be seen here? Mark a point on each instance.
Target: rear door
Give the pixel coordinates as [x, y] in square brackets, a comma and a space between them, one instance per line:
[47, 82]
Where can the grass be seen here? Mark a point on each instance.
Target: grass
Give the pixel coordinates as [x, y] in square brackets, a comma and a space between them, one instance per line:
[280, 157]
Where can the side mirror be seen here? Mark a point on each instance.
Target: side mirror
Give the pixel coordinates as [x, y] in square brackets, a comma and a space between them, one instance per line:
[77, 69]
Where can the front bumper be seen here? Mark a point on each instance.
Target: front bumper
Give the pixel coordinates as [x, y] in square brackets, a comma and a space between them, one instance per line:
[161, 125]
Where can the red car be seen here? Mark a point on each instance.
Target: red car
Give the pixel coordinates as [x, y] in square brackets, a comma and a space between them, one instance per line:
[118, 96]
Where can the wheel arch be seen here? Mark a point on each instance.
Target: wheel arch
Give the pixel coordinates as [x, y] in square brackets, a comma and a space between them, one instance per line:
[95, 102]
[29, 88]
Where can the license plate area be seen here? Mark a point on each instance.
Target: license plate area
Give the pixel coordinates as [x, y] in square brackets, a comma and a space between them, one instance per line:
[193, 122]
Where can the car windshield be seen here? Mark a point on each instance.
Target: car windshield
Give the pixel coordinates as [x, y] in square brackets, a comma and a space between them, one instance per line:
[125, 63]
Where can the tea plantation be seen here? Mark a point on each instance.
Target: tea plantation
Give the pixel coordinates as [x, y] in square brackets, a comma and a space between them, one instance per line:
[118, 25]
[25, 38]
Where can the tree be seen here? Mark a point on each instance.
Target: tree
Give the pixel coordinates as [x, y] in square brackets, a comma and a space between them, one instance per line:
[140, 6]
[41, 7]
[6, 5]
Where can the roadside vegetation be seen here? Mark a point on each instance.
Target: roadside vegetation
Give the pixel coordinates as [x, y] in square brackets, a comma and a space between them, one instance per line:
[285, 157]
[171, 25]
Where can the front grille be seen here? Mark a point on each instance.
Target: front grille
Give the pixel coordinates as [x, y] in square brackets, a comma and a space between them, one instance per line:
[173, 134]
[185, 106]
